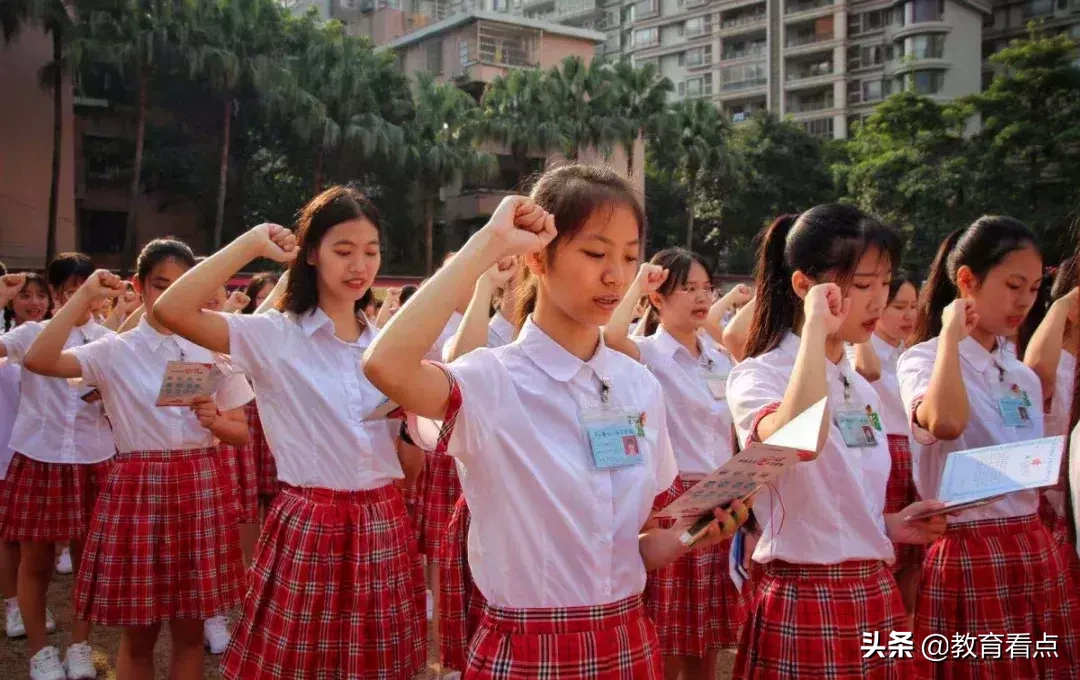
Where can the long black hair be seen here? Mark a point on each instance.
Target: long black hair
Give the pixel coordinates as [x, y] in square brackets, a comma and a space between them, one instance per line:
[826, 239]
[980, 247]
[897, 282]
[678, 262]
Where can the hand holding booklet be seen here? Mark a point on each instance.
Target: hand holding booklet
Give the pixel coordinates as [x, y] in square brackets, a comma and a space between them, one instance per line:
[757, 465]
[978, 477]
[184, 381]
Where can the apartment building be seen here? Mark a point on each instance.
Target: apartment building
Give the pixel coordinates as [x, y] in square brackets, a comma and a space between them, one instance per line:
[825, 63]
[1008, 20]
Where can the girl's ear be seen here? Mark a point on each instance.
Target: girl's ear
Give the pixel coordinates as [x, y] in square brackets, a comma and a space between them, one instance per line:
[966, 282]
[656, 300]
[801, 284]
[537, 263]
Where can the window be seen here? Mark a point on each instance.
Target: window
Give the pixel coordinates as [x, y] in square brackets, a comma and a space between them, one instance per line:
[743, 76]
[463, 52]
[854, 25]
[822, 127]
[925, 46]
[865, 57]
[921, 11]
[871, 91]
[699, 87]
[875, 20]
[697, 26]
[102, 231]
[646, 8]
[854, 92]
[701, 56]
[927, 82]
[434, 57]
[646, 36]
[1036, 8]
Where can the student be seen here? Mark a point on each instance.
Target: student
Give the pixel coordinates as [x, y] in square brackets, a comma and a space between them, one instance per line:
[1051, 353]
[23, 297]
[736, 331]
[822, 280]
[162, 545]
[996, 569]
[881, 352]
[63, 445]
[258, 289]
[696, 607]
[335, 589]
[558, 542]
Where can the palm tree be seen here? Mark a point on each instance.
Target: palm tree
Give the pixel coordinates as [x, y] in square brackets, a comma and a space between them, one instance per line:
[516, 112]
[131, 37]
[700, 133]
[440, 147]
[54, 18]
[640, 94]
[582, 105]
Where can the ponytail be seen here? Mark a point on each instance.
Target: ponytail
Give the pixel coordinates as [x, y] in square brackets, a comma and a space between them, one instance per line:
[652, 320]
[776, 305]
[525, 295]
[938, 292]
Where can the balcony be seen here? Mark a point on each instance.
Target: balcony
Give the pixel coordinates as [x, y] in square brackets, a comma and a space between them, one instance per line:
[806, 6]
[806, 71]
[803, 39]
[742, 23]
[744, 84]
[697, 31]
[757, 50]
[796, 105]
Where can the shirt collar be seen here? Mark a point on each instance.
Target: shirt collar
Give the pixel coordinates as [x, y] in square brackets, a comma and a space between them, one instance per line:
[977, 355]
[502, 327]
[317, 318]
[554, 359]
[666, 343]
[883, 348]
[152, 337]
[790, 346]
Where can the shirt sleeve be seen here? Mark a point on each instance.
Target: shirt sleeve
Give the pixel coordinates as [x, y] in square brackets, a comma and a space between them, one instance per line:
[665, 469]
[752, 387]
[96, 359]
[233, 392]
[646, 350]
[913, 371]
[256, 340]
[477, 383]
[18, 340]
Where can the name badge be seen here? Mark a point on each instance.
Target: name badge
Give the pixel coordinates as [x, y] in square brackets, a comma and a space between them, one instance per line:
[1015, 407]
[857, 428]
[716, 382]
[614, 437]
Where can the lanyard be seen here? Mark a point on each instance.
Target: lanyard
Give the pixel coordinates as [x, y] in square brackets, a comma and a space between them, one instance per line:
[605, 389]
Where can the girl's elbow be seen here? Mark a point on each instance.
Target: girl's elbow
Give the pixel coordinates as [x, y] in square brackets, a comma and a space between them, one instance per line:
[34, 363]
[947, 429]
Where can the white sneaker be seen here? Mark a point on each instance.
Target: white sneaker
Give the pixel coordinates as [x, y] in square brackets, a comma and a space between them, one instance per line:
[216, 634]
[77, 663]
[63, 565]
[15, 627]
[46, 665]
[50, 622]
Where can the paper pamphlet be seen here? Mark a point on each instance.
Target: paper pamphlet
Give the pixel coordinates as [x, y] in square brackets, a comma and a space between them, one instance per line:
[736, 572]
[977, 477]
[186, 380]
[757, 465]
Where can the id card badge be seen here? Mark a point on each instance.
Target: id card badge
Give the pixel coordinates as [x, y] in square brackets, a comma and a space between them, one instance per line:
[716, 382]
[857, 428]
[614, 437]
[1014, 406]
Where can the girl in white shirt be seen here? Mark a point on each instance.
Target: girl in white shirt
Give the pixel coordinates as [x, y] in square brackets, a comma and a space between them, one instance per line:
[562, 443]
[696, 607]
[336, 586]
[997, 569]
[162, 545]
[822, 281]
[63, 445]
[23, 297]
[876, 361]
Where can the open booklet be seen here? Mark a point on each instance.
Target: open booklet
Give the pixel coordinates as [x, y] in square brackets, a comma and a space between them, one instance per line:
[185, 381]
[741, 477]
[978, 477]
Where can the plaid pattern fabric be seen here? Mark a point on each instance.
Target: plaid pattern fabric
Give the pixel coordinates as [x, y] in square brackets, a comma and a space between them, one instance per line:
[336, 590]
[807, 621]
[48, 502]
[607, 642]
[998, 576]
[265, 468]
[461, 604]
[162, 542]
[693, 601]
[440, 490]
[899, 493]
[242, 478]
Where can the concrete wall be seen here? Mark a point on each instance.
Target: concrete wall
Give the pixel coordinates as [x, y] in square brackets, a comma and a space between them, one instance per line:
[963, 51]
[26, 129]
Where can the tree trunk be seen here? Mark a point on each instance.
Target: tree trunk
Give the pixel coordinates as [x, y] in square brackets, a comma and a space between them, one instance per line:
[130, 237]
[690, 216]
[429, 232]
[318, 169]
[223, 175]
[58, 131]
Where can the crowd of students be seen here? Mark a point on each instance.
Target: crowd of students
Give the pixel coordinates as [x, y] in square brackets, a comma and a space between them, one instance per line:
[483, 455]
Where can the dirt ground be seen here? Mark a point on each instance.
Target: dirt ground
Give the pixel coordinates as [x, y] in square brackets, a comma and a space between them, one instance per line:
[14, 662]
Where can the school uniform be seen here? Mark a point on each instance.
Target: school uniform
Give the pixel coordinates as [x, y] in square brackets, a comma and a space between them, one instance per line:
[10, 374]
[336, 585]
[824, 552]
[900, 492]
[162, 543]
[62, 449]
[1052, 503]
[997, 568]
[266, 477]
[693, 601]
[553, 542]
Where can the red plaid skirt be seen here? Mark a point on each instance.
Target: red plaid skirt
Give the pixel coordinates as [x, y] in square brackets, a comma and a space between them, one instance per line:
[808, 621]
[439, 491]
[461, 604]
[615, 641]
[1000, 577]
[336, 590]
[263, 458]
[162, 542]
[899, 493]
[239, 464]
[48, 502]
[1060, 534]
[693, 601]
